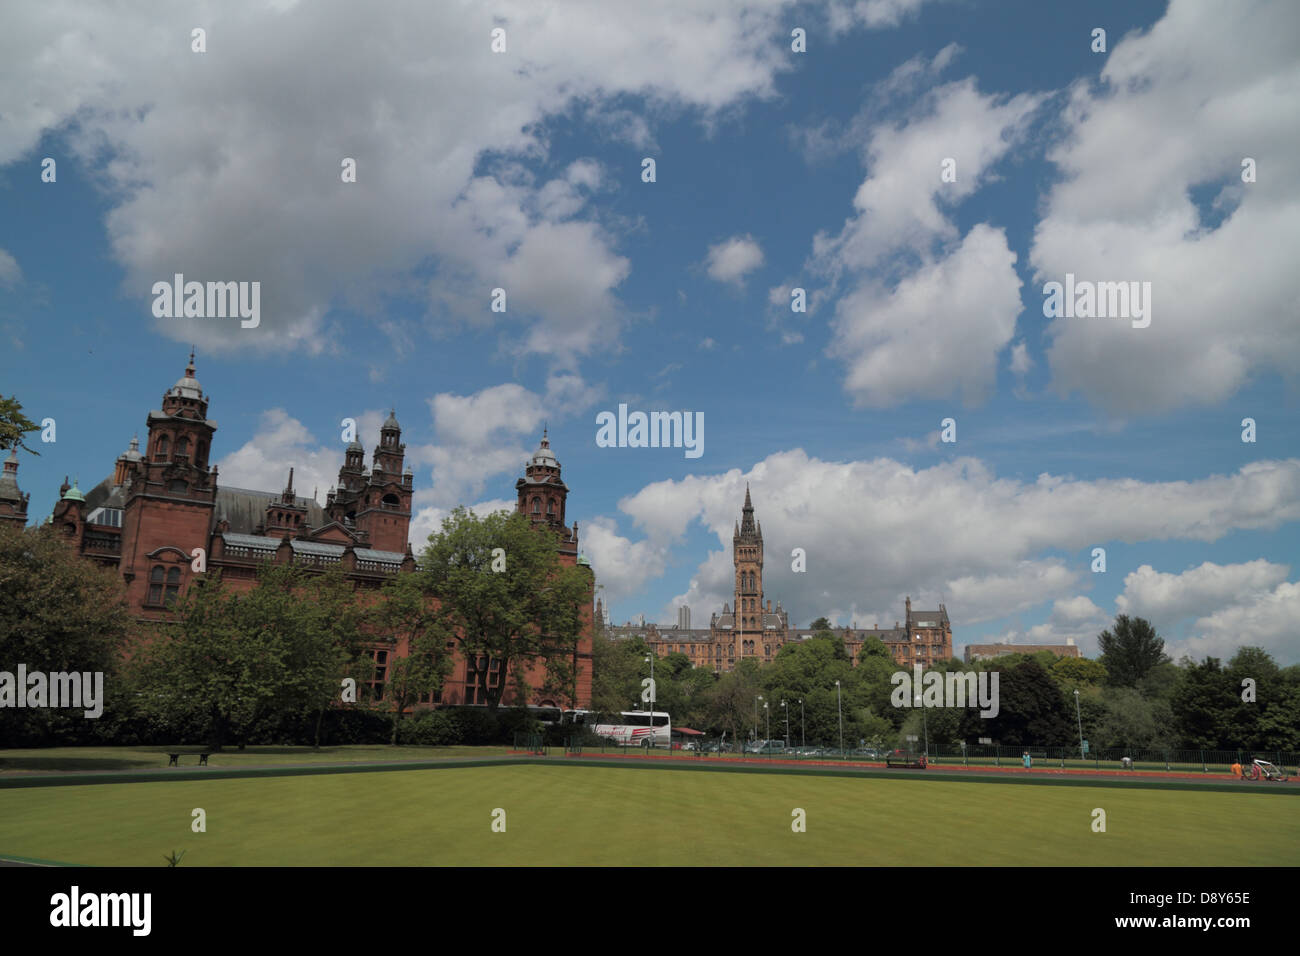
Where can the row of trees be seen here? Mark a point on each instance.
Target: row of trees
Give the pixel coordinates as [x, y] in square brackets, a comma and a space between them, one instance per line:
[273, 662]
[1132, 696]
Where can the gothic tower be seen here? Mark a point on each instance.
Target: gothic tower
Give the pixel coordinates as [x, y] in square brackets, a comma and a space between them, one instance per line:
[376, 506]
[170, 497]
[747, 556]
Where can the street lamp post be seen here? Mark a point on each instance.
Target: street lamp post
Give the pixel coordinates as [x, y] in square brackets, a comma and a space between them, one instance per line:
[839, 712]
[926, 723]
[650, 659]
[1079, 718]
[787, 724]
[768, 714]
[756, 700]
[803, 727]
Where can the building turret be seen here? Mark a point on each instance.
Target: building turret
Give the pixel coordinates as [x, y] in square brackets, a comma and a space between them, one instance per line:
[13, 503]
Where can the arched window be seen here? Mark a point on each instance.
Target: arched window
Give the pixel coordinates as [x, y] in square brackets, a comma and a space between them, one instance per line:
[156, 578]
[550, 506]
[183, 446]
[160, 450]
[201, 458]
[537, 506]
[173, 586]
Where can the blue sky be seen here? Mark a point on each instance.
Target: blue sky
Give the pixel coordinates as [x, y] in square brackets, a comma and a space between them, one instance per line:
[818, 170]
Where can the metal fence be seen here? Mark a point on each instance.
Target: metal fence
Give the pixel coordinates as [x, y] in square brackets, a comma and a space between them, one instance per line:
[994, 755]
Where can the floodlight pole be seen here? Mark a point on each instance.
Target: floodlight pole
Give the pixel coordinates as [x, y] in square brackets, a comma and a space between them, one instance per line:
[768, 714]
[803, 727]
[925, 721]
[787, 724]
[1079, 718]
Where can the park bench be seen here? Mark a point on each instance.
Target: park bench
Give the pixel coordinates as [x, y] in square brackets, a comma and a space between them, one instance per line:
[201, 753]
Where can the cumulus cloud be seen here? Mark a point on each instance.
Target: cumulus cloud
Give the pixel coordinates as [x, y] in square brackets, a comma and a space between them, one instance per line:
[925, 311]
[491, 432]
[876, 531]
[280, 442]
[1198, 591]
[1267, 621]
[1176, 110]
[226, 165]
[732, 259]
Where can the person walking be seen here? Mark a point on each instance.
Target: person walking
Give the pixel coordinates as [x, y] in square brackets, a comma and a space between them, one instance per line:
[1027, 760]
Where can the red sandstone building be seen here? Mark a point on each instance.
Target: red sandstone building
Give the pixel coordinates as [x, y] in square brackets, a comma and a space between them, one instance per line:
[749, 628]
[163, 509]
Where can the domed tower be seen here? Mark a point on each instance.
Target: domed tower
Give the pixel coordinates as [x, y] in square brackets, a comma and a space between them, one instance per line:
[13, 503]
[543, 495]
[170, 497]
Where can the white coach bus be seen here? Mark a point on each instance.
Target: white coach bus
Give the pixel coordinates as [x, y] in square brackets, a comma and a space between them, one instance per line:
[637, 728]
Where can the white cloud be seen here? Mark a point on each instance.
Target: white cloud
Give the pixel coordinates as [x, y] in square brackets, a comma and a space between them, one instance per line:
[282, 442]
[875, 531]
[1268, 621]
[428, 520]
[226, 164]
[1159, 596]
[1021, 363]
[938, 331]
[732, 259]
[1178, 108]
[10, 273]
[623, 566]
[492, 432]
[927, 311]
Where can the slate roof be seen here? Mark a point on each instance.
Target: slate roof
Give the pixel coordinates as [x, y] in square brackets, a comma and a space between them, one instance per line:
[245, 509]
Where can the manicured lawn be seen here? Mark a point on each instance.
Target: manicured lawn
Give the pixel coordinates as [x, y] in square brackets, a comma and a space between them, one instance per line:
[144, 758]
[567, 815]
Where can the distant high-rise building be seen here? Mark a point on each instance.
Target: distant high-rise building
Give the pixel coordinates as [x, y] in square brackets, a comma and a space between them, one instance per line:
[684, 617]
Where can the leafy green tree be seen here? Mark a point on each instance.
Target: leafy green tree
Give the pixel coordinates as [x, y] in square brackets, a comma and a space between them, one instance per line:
[1203, 707]
[1131, 720]
[821, 624]
[231, 661]
[1072, 672]
[1269, 720]
[527, 614]
[14, 425]
[405, 614]
[731, 704]
[58, 613]
[617, 668]
[1031, 708]
[1130, 650]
